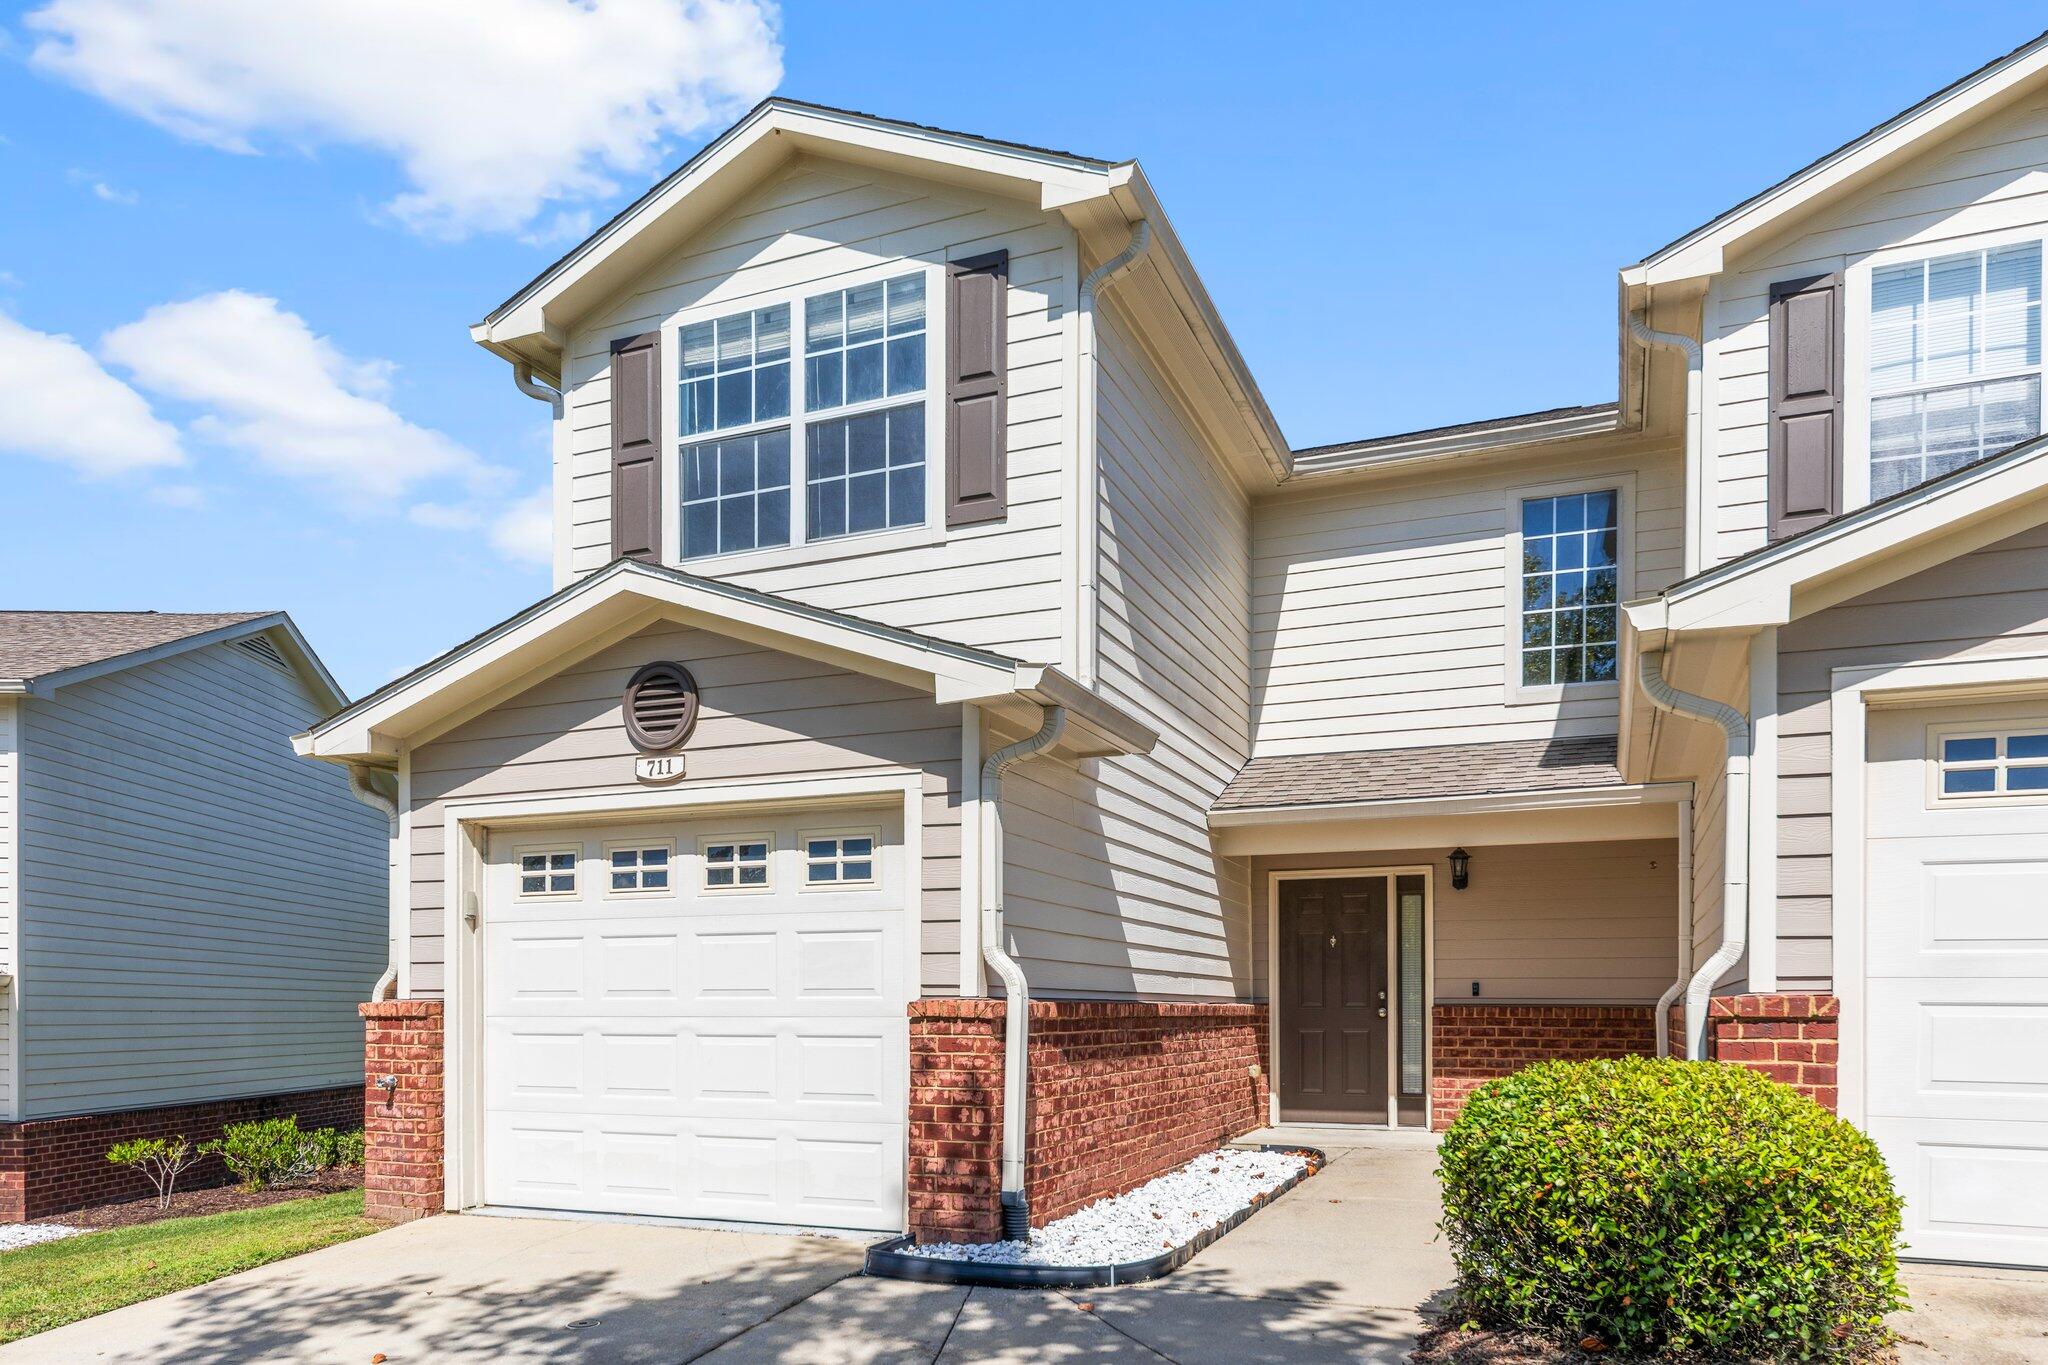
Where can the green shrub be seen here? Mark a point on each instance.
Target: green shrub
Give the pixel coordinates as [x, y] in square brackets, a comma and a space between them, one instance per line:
[1670, 1207]
[266, 1152]
[160, 1161]
[331, 1149]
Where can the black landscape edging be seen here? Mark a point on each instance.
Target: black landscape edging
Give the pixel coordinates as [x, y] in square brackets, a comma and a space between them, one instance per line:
[888, 1260]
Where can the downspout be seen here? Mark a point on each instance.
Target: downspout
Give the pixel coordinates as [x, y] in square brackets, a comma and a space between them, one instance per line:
[1016, 993]
[1087, 455]
[523, 380]
[366, 792]
[1695, 430]
[1735, 833]
[1677, 987]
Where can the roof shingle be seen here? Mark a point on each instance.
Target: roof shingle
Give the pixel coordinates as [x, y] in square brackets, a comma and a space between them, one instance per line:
[34, 644]
[1502, 768]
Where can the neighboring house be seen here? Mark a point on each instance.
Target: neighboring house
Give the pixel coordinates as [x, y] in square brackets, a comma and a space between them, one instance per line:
[1712, 718]
[188, 913]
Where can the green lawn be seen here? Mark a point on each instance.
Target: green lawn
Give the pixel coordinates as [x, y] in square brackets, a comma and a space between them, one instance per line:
[52, 1283]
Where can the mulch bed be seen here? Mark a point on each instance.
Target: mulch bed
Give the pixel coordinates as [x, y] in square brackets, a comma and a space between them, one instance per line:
[187, 1203]
[1450, 1344]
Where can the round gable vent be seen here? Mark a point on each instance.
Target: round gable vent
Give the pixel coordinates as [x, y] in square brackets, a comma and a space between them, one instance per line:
[661, 707]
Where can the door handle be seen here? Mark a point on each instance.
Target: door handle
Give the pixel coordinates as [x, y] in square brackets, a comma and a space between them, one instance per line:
[1383, 1011]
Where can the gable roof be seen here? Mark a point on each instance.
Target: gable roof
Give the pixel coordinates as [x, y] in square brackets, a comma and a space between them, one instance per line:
[41, 651]
[628, 596]
[1101, 200]
[1702, 250]
[1847, 555]
[1493, 433]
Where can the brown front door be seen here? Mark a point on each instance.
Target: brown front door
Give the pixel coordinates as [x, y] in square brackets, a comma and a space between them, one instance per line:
[1333, 1000]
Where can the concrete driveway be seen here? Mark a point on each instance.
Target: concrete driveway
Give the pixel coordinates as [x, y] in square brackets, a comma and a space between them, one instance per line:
[1337, 1270]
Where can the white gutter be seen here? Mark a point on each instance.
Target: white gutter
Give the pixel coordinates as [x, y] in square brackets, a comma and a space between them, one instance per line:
[1695, 431]
[366, 792]
[1672, 991]
[1087, 452]
[1016, 992]
[1735, 834]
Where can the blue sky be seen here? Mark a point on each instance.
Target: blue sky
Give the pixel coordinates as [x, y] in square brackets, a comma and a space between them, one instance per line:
[1408, 216]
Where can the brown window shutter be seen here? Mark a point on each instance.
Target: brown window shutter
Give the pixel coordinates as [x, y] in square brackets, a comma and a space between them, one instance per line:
[636, 447]
[977, 387]
[1806, 403]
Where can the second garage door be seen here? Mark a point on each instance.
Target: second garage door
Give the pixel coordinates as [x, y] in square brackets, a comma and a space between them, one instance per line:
[1956, 993]
[699, 1020]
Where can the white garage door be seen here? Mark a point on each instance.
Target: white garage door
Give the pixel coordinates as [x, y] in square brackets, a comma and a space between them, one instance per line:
[698, 1020]
[1956, 1002]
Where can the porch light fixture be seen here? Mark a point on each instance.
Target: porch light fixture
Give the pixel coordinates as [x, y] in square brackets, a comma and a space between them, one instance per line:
[1461, 869]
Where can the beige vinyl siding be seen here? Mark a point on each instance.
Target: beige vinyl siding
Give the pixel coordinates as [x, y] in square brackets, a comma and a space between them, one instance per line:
[1990, 178]
[10, 957]
[1709, 870]
[1381, 614]
[1590, 923]
[1113, 886]
[203, 910]
[765, 714]
[997, 585]
[1989, 603]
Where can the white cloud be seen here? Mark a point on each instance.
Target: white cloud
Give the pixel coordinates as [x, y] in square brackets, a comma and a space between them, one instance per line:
[272, 388]
[449, 89]
[101, 190]
[63, 406]
[525, 531]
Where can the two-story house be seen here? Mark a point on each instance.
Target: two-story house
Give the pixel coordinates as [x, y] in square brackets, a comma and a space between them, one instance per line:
[942, 623]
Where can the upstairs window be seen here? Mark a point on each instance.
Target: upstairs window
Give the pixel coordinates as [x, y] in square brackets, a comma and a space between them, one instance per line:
[1955, 362]
[1570, 576]
[852, 435]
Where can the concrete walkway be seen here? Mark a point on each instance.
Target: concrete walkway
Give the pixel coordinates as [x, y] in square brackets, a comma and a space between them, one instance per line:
[1340, 1269]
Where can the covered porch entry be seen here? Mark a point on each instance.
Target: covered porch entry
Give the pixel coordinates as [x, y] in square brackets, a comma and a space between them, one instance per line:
[1414, 946]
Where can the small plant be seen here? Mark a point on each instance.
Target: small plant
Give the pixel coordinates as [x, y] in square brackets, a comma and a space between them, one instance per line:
[332, 1149]
[1678, 1209]
[160, 1160]
[266, 1152]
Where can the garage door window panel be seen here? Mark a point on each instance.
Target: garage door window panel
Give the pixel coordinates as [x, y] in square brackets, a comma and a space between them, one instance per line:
[547, 873]
[838, 859]
[737, 862]
[2000, 765]
[639, 869]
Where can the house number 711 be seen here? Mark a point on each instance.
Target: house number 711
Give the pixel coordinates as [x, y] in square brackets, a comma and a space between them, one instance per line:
[658, 768]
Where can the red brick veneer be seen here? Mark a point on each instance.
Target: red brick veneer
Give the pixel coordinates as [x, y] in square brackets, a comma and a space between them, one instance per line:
[1794, 1038]
[1472, 1044]
[1120, 1091]
[402, 1167]
[49, 1166]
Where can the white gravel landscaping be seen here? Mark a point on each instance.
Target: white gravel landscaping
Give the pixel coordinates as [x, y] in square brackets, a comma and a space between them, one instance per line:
[17, 1235]
[1158, 1216]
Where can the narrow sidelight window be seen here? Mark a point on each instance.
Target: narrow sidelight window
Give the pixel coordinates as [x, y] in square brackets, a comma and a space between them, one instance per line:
[1570, 588]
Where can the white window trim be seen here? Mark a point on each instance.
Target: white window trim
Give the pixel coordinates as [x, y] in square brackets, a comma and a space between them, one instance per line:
[1623, 484]
[840, 833]
[523, 852]
[639, 892]
[1937, 799]
[801, 549]
[1856, 344]
[704, 885]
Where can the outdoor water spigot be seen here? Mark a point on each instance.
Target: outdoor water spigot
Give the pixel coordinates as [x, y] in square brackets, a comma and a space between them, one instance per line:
[389, 1085]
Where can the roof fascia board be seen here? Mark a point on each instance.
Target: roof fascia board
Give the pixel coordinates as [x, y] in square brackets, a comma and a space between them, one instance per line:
[48, 683]
[541, 636]
[1766, 591]
[773, 131]
[1639, 794]
[1407, 454]
[1704, 251]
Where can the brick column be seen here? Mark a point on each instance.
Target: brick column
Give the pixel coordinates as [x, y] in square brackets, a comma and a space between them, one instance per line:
[1794, 1038]
[403, 1130]
[1473, 1044]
